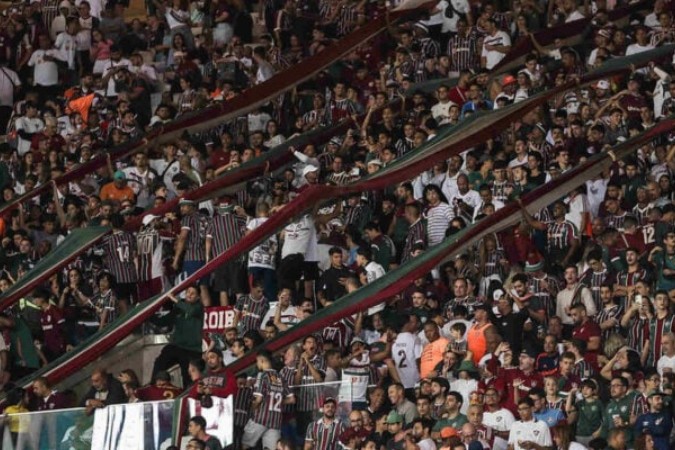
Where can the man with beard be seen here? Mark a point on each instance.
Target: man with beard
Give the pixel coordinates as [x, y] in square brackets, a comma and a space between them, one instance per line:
[324, 433]
[311, 369]
[216, 381]
[498, 418]
[563, 237]
[270, 392]
[574, 293]
[421, 434]
[657, 422]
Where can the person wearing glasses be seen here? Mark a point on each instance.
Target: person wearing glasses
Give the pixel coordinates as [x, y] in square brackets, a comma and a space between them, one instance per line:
[529, 433]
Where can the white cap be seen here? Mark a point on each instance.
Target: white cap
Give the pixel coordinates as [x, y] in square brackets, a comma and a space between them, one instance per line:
[309, 168]
[602, 84]
[149, 218]
[497, 294]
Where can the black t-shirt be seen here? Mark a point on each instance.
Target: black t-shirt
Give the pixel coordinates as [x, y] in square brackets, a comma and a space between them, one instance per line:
[329, 282]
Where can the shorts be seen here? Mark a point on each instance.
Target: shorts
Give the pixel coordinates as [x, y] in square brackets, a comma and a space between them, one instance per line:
[310, 270]
[150, 288]
[127, 291]
[230, 277]
[190, 267]
[253, 432]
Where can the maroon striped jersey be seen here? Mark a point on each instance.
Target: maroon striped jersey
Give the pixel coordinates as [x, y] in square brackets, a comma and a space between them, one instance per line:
[287, 373]
[272, 389]
[309, 398]
[196, 225]
[149, 254]
[242, 405]
[120, 253]
[251, 312]
[225, 230]
[324, 435]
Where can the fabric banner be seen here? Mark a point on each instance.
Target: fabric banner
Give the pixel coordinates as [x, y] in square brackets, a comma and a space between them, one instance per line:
[133, 426]
[571, 33]
[219, 418]
[216, 320]
[448, 143]
[78, 241]
[242, 104]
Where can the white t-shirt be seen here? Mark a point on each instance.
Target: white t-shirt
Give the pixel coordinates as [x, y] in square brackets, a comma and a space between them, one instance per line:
[374, 271]
[160, 166]
[67, 45]
[111, 91]
[34, 125]
[263, 254]
[140, 183]
[441, 111]
[450, 24]
[535, 431]
[45, 73]
[289, 316]
[665, 362]
[492, 57]
[405, 352]
[464, 387]
[300, 237]
[500, 420]
[574, 15]
[7, 77]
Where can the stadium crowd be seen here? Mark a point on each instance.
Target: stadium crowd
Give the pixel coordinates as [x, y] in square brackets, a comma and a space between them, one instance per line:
[557, 333]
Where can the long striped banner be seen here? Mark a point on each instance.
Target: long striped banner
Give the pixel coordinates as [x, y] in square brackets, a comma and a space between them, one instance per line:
[248, 101]
[100, 342]
[78, 241]
[462, 137]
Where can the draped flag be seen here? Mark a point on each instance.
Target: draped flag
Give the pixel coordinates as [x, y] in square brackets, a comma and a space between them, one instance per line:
[449, 142]
[249, 100]
[219, 418]
[133, 426]
[78, 241]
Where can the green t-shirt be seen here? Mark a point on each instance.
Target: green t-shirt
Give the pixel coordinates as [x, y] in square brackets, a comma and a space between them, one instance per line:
[621, 408]
[589, 417]
[455, 423]
[21, 335]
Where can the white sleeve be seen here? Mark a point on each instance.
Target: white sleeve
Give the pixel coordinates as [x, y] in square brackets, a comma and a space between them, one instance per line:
[417, 348]
[507, 39]
[512, 437]
[545, 436]
[33, 59]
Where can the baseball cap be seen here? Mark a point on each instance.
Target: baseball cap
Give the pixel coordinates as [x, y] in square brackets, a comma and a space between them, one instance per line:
[448, 432]
[308, 169]
[149, 218]
[497, 294]
[358, 340]
[602, 84]
[330, 400]
[393, 417]
[119, 175]
[509, 79]
[185, 201]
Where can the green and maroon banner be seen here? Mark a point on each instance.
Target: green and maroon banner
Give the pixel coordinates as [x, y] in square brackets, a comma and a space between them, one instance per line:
[449, 142]
[78, 241]
[248, 101]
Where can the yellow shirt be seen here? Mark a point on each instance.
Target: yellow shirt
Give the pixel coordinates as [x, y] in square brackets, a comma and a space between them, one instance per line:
[17, 424]
[432, 354]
